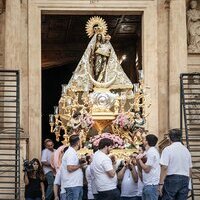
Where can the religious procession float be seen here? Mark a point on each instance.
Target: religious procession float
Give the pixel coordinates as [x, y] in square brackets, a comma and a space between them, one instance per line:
[99, 100]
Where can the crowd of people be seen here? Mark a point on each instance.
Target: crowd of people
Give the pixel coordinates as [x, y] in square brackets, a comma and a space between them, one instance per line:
[144, 175]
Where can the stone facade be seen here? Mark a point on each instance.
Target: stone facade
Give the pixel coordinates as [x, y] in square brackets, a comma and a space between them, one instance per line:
[164, 50]
[164, 53]
[2, 33]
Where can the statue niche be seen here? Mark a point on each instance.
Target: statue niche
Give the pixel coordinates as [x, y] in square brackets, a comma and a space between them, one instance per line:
[193, 26]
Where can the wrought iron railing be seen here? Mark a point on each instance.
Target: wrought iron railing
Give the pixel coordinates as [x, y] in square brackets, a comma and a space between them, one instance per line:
[9, 135]
[190, 123]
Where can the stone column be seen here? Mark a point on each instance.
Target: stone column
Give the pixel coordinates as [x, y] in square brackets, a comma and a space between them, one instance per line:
[12, 32]
[24, 67]
[34, 72]
[16, 50]
[177, 57]
[2, 35]
[163, 78]
[150, 63]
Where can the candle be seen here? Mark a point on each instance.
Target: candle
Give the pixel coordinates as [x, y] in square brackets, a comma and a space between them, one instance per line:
[64, 89]
[141, 75]
[51, 118]
[55, 110]
[136, 87]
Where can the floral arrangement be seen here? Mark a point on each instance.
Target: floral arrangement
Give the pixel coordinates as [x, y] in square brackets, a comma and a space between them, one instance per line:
[86, 121]
[129, 121]
[118, 142]
[124, 121]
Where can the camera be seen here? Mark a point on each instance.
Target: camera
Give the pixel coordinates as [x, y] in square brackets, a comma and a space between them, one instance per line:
[82, 160]
[28, 167]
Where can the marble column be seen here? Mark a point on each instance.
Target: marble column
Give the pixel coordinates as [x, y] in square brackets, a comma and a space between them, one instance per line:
[177, 57]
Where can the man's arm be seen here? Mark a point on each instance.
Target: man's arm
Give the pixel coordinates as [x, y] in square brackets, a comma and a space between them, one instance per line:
[145, 167]
[44, 159]
[120, 174]
[163, 174]
[111, 173]
[134, 173]
[55, 190]
[46, 163]
[72, 168]
[108, 167]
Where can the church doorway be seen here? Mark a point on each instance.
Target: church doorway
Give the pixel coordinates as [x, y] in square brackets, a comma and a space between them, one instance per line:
[64, 41]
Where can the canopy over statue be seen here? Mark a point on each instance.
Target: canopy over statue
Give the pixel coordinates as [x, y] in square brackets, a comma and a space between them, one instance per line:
[99, 66]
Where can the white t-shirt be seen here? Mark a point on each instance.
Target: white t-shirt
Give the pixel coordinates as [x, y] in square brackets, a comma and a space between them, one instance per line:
[89, 182]
[71, 179]
[94, 187]
[153, 160]
[128, 186]
[57, 181]
[140, 187]
[177, 158]
[100, 165]
[46, 157]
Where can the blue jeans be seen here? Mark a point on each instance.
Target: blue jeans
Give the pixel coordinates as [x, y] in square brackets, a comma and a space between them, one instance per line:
[63, 196]
[130, 198]
[175, 187]
[50, 180]
[95, 196]
[109, 195]
[74, 193]
[150, 192]
[38, 198]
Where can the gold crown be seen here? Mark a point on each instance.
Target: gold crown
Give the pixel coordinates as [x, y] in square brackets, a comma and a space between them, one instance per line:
[96, 25]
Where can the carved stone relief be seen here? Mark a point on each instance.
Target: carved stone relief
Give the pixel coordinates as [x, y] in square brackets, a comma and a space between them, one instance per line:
[193, 26]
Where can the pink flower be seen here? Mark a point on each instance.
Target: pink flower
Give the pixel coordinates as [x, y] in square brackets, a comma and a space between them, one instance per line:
[118, 142]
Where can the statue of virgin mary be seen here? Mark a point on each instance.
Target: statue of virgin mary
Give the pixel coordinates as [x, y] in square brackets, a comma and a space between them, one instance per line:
[99, 66]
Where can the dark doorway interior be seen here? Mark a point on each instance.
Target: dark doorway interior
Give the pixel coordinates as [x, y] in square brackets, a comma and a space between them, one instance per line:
[63, 43]
[51, 90]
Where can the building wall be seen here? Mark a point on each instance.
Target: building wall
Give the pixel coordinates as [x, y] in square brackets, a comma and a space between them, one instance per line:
[2, 34]
[193, 61]
[164, 50]
[164, 53]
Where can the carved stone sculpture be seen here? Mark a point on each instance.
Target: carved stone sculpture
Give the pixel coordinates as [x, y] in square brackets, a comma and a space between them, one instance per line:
[193, 25]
